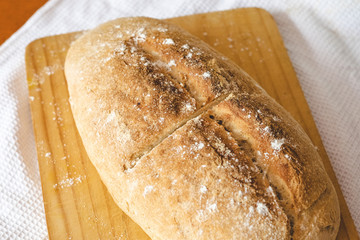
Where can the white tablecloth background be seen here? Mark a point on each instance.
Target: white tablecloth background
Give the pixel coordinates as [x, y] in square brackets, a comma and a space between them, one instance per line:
[323, 41]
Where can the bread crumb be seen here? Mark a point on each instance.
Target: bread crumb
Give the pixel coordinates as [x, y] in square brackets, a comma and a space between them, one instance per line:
[48, 70]
[212, 207]
[189, 107]
[140, 36]
[110, 117]
[68, 182]
[160, 29]
[121, 49]
[251, 211]
[267, 129]
[277, 143]
[203, 189]
[168, 41]
[270, 190]
[171, 63]
[200, 146]
[206, 74]
[185, 46]
[262, 209]
[147, 190]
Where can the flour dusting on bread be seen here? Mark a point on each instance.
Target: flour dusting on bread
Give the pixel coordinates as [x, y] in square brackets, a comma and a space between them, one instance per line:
[188, 144]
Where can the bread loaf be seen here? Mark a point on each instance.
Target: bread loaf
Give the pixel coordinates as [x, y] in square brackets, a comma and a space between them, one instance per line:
[188, 145]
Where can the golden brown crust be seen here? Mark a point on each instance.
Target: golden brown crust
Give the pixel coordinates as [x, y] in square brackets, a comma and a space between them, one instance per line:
[188, 144]
[208, 185]
[289, 160]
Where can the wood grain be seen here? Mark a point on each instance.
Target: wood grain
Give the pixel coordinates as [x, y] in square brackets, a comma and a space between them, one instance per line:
[77, 204]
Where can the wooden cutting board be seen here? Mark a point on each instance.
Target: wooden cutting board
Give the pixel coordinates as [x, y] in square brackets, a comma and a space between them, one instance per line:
[77, 204]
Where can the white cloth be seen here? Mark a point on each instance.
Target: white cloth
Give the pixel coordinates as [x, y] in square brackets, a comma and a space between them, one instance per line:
[323, 41]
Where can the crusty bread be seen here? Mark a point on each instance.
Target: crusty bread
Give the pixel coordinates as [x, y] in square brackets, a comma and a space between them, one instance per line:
[188, 145]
